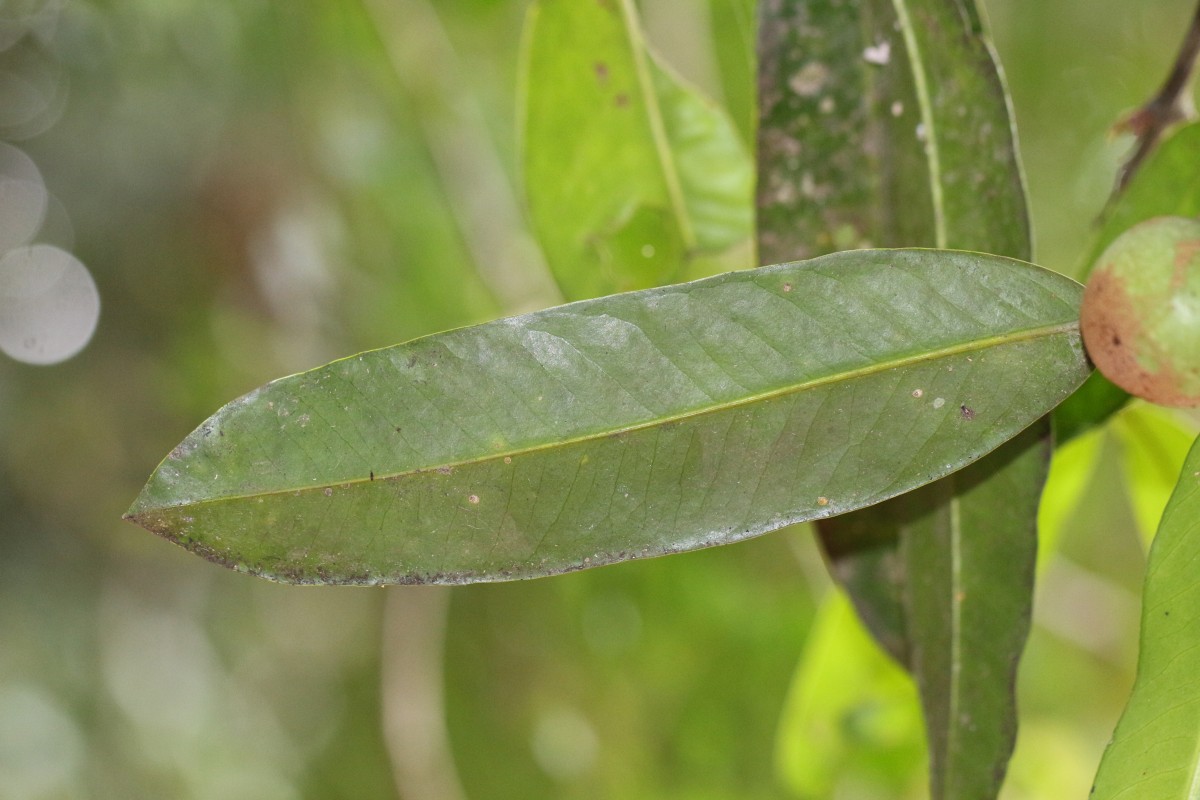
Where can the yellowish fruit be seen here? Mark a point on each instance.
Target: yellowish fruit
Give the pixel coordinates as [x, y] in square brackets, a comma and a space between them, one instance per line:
[1141, 311]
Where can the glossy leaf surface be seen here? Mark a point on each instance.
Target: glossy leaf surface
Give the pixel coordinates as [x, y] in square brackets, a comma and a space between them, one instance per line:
[864, 140]
[1155, 751]
[629, 172]
[633, 425]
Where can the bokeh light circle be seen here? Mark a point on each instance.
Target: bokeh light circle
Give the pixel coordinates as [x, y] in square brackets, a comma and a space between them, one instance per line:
[23, 198]
[49, 305]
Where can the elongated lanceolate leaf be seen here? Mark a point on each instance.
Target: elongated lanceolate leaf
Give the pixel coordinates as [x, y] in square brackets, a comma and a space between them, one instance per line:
[633, 425]
[1155, 751]
[886, 122]
[629, 173]
[970, 560]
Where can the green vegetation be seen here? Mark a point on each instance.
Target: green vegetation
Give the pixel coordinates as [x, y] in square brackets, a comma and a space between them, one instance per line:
[258, 192]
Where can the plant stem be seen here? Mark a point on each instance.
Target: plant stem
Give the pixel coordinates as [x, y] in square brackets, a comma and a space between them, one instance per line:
[1172, 104]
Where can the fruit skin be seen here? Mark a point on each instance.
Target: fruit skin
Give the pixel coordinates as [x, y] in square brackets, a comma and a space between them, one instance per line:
[1141, 311]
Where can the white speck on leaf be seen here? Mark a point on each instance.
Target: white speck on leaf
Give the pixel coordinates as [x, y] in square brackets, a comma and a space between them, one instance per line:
[939, 402]
[879, 54]
[918, 392]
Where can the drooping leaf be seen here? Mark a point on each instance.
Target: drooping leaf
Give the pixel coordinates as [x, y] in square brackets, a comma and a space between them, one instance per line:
[628, 172]
[967, 601]
[632, 425]
[887, 123]
[849, 705]
[1168, 184]
[1155, 751]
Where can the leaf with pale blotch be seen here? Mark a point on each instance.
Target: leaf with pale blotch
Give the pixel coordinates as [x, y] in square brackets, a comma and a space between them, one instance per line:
[1155, 751]
[633, 425]
[887, 123]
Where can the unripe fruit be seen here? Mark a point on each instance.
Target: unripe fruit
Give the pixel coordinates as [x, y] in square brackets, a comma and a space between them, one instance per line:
[1141, 311]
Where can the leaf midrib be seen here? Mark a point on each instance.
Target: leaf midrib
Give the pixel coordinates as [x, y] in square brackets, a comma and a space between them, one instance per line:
[974, 345]
[925, 104]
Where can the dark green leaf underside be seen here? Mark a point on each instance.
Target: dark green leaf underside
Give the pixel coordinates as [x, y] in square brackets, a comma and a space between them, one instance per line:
[633, 425]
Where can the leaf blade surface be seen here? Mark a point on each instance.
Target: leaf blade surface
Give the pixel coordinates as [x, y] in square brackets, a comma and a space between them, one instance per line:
[1155, 750]
[888, 123]
[637, 424]
[629, 172]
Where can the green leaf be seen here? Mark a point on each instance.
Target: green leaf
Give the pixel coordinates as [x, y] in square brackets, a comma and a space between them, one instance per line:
[633, 425]
[970, 546]
[1155, 751]
[1168, 184]
[849, 705]
[888, 123]
[629, 173]
[1155, 444]
[733, 27]
[1072, 468]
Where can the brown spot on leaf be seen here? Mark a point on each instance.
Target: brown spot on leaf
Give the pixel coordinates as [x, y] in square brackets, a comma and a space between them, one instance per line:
[1110, 324]
[622, 100]
[966, 413]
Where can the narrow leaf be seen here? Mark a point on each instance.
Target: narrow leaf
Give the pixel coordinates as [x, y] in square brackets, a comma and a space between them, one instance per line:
[1155, 751]
[628, 172]
[967, 598]
[1168, 184]
[864, 140]
[733, 26]
[633, 425]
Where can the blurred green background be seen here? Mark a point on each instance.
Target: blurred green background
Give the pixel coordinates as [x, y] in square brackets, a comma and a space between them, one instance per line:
[260, 187]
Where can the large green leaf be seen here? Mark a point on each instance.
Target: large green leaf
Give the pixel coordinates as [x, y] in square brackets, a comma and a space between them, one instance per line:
[633, 425]
[628, 172]
[1168, 184]
[1155, 751]
[887, 123]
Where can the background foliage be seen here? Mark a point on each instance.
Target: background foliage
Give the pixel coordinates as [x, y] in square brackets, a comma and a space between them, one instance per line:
[257, 191]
